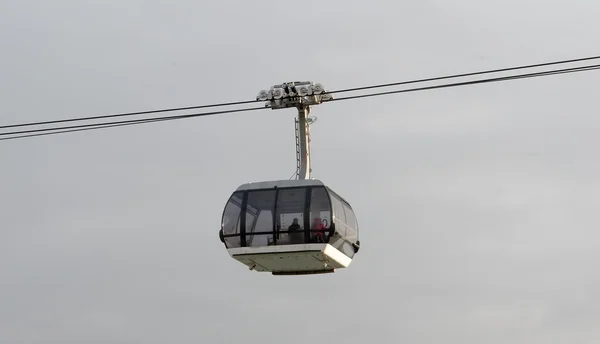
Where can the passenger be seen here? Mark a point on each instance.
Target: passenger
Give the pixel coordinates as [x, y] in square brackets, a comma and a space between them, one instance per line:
[296, 237]
[318, 224]
[294, 226]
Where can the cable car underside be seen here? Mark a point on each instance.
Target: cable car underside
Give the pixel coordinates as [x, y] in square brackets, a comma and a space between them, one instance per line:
[301, 259]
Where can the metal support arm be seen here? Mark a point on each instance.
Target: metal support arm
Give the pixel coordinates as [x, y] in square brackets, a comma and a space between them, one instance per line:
[304, 168]
[301, 95]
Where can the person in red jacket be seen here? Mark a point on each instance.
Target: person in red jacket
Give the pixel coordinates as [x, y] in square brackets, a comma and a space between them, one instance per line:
[318, 224]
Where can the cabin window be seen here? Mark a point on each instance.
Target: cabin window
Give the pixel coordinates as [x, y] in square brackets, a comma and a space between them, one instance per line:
[351, 224]
[259, 217]
[231, 219]
[320, 213]
[290, 215]
[277, 216]
[339, 216]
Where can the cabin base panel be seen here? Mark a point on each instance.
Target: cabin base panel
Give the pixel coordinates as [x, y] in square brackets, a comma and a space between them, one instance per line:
[292, 259]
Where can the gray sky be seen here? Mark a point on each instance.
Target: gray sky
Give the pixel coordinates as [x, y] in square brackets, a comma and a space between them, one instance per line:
[476, 204]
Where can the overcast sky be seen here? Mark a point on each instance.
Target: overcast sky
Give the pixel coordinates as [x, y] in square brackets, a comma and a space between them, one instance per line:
[477, 205]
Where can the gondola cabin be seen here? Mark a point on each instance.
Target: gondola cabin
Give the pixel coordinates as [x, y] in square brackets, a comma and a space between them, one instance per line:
[289, 227]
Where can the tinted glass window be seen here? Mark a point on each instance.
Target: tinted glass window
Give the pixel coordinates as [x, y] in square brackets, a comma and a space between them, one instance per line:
[277, 216]
[259, 217]
[260, 201]
[320, 214]
[290, 215]
[351, 225]
[230, 223]
[231, 216]
[339, 216]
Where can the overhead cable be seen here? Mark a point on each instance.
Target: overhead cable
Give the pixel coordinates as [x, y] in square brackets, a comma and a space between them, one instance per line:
[118, 123]
[65, 129]
[474, 82]
[465, 74]
[127, 114]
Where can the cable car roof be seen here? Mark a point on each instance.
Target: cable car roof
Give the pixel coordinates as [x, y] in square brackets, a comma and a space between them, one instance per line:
[280, 184]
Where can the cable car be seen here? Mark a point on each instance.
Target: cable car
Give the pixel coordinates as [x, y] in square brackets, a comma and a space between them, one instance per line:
[291, 227]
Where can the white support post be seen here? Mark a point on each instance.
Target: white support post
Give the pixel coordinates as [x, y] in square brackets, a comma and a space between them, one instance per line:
[304, 140]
